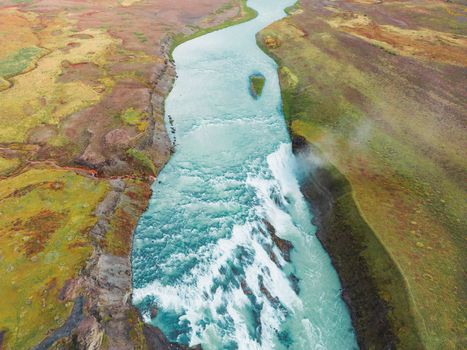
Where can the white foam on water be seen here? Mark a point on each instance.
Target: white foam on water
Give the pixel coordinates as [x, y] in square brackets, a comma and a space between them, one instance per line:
[194, 300]
[282, 164]
[313, 334]
[193, 297]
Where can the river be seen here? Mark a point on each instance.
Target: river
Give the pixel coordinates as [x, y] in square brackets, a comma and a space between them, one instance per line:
[203, 254]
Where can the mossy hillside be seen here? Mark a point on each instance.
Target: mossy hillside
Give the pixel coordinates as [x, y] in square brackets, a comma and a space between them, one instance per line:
[372, 282]
[136, 331]
[46, 215]
[19, 61]
[7, 165]
[142, 160]
[295, 8]
[405, 168]
[37, 96]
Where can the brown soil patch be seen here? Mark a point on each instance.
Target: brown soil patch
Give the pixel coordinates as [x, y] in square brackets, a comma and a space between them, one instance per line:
[81, 36]
[426, 44]
[18, 193]
[86, 72]
[25, 190]
[38, 229]
[424, 29]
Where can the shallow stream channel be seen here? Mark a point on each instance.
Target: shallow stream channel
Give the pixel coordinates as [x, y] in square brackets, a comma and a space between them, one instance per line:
[226, 255]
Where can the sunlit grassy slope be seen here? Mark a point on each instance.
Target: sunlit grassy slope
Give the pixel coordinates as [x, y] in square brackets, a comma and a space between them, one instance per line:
[45, 217]
[385, 105]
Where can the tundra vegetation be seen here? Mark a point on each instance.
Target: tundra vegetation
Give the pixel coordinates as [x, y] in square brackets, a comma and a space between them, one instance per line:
[82, 86]
[378, 89]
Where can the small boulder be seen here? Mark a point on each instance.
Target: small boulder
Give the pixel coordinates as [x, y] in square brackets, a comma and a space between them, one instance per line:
[91, 158]
[117, 137]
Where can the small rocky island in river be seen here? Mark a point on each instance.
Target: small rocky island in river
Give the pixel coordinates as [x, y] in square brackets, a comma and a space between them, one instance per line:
[257, 82]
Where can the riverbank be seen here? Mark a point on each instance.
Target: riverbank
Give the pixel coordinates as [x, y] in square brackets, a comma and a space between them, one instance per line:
[384, 120]
[365, 268]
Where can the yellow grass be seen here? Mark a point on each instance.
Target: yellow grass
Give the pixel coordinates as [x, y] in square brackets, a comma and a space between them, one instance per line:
[126, 3]
[7, 165]
[45, 216]
[37, 97]
[15, 31]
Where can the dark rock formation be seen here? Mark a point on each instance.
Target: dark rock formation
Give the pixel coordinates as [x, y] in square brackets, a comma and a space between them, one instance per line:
[156, 340]
[284, 245]
[345, 244]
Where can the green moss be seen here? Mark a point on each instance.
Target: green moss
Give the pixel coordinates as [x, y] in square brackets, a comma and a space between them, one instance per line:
[257, 82]
[141, 37]
[20, 61]
[131, 116]
[105, 342]
[129, 209]
[136, 331]
[7, 165]
[223, 8]
[45, 217]
[291, 9]
[142, 159]
[136, 118]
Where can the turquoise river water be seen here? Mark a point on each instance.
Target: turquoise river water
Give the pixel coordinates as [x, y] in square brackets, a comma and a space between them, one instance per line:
[202, 253]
